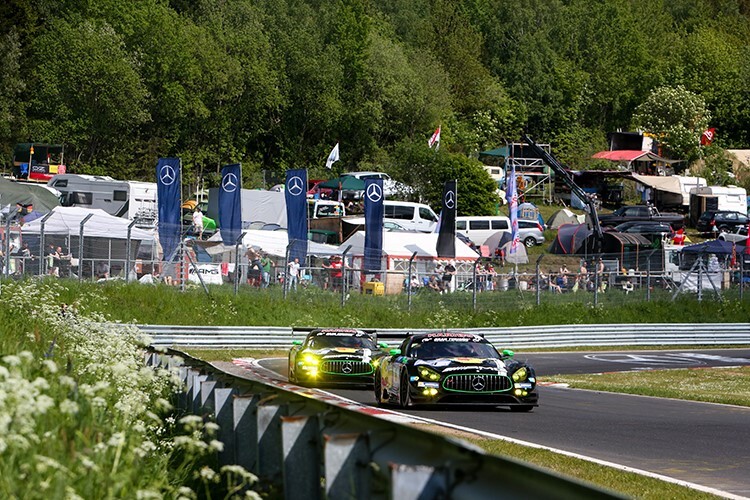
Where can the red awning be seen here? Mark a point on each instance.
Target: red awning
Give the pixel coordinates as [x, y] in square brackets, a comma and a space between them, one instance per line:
[626, 155]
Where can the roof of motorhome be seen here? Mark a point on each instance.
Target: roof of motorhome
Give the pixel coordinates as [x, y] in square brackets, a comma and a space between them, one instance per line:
[104, 178]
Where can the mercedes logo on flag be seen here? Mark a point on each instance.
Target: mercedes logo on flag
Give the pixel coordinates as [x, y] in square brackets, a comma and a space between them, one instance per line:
[450, 199]
[167, 175]
[374, 193]
[477, 383]
[295, 186]
[229, 183]
[347, 368]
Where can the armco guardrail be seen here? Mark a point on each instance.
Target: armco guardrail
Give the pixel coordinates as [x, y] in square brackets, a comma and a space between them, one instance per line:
[515, 338]
[307, 448]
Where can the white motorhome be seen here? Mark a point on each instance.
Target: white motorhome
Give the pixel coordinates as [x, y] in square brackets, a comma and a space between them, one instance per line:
[732, 198]
[128, 199]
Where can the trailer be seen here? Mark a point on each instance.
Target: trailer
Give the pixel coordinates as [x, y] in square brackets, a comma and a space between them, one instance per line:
[704, 198]
[132, 200]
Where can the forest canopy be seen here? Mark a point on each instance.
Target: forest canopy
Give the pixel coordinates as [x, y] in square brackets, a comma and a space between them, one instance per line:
[274, 84]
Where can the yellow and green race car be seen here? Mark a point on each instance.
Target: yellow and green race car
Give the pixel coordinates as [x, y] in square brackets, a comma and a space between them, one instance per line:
[334, 356]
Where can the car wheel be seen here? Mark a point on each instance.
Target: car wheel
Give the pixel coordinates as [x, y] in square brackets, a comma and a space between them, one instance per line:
[404, 398]
[529, 242]
[522, 408]
[723, 229]
[377, 386]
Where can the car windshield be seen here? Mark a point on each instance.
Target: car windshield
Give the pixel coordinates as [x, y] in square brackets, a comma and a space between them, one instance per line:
[325, 341]
[433, 350]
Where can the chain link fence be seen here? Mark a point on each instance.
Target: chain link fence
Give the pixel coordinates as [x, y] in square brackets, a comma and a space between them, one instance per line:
[477, 282]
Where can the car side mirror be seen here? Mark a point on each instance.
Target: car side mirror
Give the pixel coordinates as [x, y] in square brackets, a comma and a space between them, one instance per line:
[394, 352]
[507, 353]
[296, 342]
[382, 345]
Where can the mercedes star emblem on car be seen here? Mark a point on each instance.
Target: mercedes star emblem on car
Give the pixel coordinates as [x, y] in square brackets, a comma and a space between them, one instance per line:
[477, 383]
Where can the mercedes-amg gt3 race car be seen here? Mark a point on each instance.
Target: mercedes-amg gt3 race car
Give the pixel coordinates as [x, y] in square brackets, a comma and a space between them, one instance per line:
[446, 367]
[335, 356]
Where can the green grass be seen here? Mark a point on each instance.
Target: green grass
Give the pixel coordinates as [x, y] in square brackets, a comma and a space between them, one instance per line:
[698, 384]
[167, 305]
[626, 483]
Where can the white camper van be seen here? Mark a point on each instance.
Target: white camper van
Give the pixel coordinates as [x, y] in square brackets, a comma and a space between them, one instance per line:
[410, 216]
[129, 199]
[479, 228]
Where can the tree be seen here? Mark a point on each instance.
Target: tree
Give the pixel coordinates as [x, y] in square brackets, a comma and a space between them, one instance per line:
[677, 117]
[427, 170]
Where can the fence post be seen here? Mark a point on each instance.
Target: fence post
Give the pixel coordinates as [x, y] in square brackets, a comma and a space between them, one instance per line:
[538, 281]
[474, 284]
[237, 262]
[11, 214]
[344, 277]
[42, 260]
[596, 280]
[286, 269]
[80, 247]
[408, 286]
[127, 253]
[648, 281]
[742, 273]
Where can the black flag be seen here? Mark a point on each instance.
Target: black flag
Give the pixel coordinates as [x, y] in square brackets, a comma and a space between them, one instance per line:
[446, 242]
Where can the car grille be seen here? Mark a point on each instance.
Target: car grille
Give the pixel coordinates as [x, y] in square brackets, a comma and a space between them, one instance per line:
[346, 367]
[476, 383]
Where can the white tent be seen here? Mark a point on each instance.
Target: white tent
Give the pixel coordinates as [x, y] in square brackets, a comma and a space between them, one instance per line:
[402, 244]
[273, 243]
[66, 221]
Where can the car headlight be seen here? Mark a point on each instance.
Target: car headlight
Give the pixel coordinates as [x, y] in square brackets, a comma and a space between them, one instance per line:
[310, 360]
[428, 373]
[520, 374]
[375, 363]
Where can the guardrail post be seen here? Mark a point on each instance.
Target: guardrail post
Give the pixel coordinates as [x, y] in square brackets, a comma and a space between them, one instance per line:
[300, 446]
[246, 431]
[269, 438]
[344, 457]
[222, 403]
[414, 482]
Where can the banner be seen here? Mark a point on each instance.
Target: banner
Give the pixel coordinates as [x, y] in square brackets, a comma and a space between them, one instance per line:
[211, 274]
[446, 242]
[708, 136]
[373, 224]
[230, 204]
[511, 195]
[295, 192]
[435, 140]
[169, 199]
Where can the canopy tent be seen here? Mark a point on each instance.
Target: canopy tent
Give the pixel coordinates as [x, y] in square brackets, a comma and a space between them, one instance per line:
[400, 244]
[564, 216]
[718, 247]
[518, 257]
[29, 195]
[345, 183]
[669, 184]
[66, 221]
[629, 155]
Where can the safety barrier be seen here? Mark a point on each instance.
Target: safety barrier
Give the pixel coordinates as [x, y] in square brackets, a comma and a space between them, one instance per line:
[305, 447]
[547, 336]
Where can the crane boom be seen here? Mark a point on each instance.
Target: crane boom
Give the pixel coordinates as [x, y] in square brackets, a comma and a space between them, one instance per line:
[574, 188]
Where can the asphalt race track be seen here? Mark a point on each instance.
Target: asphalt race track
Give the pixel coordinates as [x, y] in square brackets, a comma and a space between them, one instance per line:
[701, 443]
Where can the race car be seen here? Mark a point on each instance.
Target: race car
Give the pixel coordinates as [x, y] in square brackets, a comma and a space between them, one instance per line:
[452, 367]
[335, 356]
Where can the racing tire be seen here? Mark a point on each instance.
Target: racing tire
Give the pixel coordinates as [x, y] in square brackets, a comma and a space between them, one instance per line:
[404, 397]
[522, 408]
[377, 388]
[529, 242]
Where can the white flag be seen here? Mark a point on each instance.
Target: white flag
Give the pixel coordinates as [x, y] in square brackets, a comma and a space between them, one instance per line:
[334, 156]
[435, 139]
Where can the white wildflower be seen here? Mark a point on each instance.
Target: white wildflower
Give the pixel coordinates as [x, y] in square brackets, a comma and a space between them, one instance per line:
[40, 384]
[50, 365]
[208, 474]
[12, 360]
[216, 445]
[67, 381]
[68, 407]
[238, 470]
[26, 356]
[185, 493]
[146, 494]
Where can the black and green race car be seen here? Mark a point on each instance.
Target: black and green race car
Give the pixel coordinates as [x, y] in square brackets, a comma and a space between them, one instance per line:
[344, 356]
[451, 367]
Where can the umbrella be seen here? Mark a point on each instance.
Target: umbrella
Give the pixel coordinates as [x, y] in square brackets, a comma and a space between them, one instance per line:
[344, 183]
[497, 240]
[13, 193]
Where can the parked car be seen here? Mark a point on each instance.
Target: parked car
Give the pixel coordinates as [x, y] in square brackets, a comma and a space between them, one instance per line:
[739, 235]
[723, 220]
[647, 228]
[530, 232]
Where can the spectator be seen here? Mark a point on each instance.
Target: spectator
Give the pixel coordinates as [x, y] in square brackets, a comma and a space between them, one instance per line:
[337, 272]
[326, 273]
[489, 270]
[266, 266]
[102, 270]
[554, 285]
[198, 222]
[449, 283]
[53, 261]
[293, 274]
[434, 284]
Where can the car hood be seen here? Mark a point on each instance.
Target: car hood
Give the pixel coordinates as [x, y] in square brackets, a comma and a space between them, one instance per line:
[472, 365]
[344, 353]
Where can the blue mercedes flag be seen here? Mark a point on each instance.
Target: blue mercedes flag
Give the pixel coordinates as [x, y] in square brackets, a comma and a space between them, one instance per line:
[169, 198]
[230, 204]
[373, 224]
[446, 243]
[295, 191]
